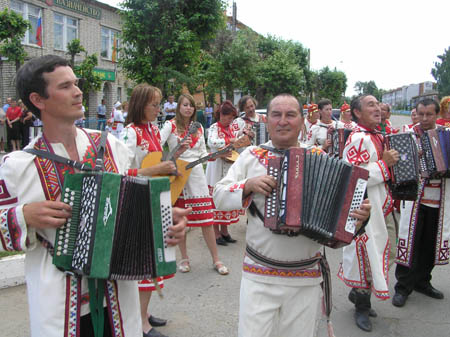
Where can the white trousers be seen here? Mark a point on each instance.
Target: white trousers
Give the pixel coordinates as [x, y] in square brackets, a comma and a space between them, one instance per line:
[275, 310]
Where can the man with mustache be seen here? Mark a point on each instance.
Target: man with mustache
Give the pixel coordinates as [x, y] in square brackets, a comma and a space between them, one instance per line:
[31, 209]
[365, 261]
[273, 295]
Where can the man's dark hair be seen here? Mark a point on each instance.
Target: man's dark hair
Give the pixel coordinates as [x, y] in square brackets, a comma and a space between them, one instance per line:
[429, 101]
[356, 105]
[243, 102]
[323, 102]
[30, 78]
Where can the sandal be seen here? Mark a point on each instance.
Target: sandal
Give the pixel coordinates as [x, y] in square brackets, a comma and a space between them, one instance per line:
[221, 268]
[183, 266]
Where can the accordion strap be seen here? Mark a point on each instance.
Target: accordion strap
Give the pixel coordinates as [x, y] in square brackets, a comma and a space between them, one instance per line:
[272, 149]
[73, 163]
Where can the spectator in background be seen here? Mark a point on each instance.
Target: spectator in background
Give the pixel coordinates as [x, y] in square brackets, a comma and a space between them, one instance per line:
[170, 108]
[200, 114]
[208, 114]
[125, 109]
[13, 115]
[26, 122]
[445, 112]
[101, 115]
[8, 104]
[2, 130]
[80, 122]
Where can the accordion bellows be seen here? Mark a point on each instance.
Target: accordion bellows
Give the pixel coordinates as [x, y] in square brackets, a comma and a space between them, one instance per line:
[315, 195]
[118, 227]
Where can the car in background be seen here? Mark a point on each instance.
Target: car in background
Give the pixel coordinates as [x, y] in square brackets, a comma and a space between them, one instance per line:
[336, 114]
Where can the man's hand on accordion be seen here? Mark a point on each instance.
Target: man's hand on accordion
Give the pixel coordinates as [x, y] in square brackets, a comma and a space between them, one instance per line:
[46, 214]
[362, 214]
[177, 231]
[391, 157]
[263, 184]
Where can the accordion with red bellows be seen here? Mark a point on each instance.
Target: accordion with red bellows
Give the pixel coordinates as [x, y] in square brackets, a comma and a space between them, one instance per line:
[314, 196]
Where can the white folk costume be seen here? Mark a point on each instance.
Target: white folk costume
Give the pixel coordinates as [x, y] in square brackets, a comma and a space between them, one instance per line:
[318, 133]
[195, 193]
[264, 288]
[118, 119]
[57, 299]
[141, 139]
[244, 123]
[305, 133]
[366, 260]
[344, 125]
[218, 137]
[432, 193]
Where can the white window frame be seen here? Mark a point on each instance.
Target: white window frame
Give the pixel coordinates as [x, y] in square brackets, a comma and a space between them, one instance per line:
[65, 26]
[25, 14]
[110, 37]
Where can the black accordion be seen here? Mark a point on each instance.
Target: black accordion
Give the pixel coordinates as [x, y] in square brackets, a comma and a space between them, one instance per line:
[118, 227]
[261, 134]
[436, 153]
[405, 173]
[314, 196]
[338, 138]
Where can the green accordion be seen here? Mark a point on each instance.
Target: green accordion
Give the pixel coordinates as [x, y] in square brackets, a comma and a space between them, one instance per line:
[118, 227]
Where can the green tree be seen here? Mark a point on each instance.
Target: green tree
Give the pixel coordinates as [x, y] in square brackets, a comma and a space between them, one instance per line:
[164, 37]
[12, 29]
[332, 85]
[369, 88]
[441, 73]
[74, 47]
[89, 80]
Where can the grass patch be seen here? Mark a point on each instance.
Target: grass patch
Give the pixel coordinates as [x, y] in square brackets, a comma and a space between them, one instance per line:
[6, 254]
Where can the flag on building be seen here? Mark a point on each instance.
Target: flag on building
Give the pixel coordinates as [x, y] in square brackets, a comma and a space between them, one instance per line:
[39, 32]
[114, 51]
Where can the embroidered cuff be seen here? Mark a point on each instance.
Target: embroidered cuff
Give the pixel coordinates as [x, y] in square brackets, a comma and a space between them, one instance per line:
[385, 172]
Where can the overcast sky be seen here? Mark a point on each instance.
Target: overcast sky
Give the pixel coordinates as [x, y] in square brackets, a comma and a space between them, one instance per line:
[392, 42]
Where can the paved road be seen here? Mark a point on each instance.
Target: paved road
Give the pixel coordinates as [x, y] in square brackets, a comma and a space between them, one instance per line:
[204, 304]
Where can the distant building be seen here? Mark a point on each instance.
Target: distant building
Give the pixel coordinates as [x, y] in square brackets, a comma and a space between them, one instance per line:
[95, 24]
[407, 96]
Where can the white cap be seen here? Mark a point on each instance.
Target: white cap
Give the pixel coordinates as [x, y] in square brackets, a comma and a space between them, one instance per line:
[117, 104]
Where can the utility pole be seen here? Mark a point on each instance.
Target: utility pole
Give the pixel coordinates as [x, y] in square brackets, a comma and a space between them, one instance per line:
[234, 19]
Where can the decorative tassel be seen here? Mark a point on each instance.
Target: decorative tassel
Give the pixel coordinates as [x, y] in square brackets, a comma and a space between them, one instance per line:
[330, 328]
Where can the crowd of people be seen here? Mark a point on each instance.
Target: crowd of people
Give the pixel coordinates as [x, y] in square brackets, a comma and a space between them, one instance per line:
[282, 275]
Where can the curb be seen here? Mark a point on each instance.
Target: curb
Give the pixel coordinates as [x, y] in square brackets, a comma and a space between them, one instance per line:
[12, 271]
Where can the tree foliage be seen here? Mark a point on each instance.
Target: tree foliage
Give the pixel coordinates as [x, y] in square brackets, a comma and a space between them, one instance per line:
[74, 47]
[164, 37]
[12, 25]
[331, 84]
[441, 73]
[369, 88]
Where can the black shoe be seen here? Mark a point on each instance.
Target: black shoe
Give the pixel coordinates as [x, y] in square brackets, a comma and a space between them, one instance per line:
[399, 300]
[430, 291]
[155, 321]
[228, 238]
[352, 298]
[153, 333]
[362, 320]
[220, 241]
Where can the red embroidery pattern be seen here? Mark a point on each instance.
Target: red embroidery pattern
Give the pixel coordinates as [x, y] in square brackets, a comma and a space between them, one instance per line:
[148, 139]
[236, 187]
[356, 156]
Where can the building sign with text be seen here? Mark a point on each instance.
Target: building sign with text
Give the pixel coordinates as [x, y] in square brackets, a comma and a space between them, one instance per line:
[77, 6]
[105, 75]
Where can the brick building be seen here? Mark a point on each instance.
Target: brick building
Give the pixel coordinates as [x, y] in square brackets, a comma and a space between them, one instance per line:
[95, 24]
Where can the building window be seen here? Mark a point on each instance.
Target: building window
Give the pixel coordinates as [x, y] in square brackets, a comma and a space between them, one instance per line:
[119, 94]
[65, 29]
[110, 44]
[32, 14]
